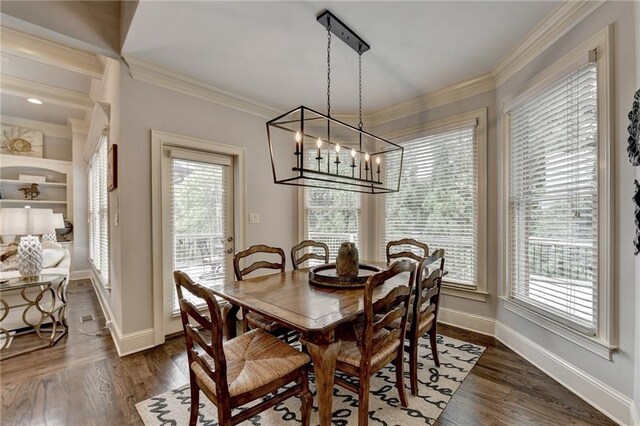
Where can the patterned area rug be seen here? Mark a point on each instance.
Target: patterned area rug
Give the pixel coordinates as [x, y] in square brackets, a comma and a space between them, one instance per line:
[436, 387]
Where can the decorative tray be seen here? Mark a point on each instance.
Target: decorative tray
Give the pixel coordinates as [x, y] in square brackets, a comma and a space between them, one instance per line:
[326, 276]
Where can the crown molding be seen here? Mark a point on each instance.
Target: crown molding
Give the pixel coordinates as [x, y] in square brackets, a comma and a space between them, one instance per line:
[49, 129]
[435, 99]
[53, 95]
[36, 49]
[153, 74]
[77, 125]
[559, 22]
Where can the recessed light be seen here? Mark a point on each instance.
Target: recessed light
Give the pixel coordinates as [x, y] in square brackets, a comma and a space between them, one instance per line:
[35, 101]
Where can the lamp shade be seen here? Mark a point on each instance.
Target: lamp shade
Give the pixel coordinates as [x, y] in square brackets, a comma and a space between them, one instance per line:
[58, 221]
[26, 221]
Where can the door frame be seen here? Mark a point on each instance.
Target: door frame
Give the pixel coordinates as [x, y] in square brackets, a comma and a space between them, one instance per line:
[159, 140]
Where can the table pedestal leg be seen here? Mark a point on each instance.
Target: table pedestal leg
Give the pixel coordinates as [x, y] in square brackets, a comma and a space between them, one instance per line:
[324, 357]
[229, 312]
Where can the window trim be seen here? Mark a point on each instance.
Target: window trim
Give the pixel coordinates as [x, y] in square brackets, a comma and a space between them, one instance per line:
[479, 292]
[604, 340]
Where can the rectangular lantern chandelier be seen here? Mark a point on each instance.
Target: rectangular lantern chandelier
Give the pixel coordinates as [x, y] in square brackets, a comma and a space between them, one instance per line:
[308, 148]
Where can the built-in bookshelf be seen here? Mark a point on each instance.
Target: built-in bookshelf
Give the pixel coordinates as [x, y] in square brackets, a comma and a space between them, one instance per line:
[53, 177]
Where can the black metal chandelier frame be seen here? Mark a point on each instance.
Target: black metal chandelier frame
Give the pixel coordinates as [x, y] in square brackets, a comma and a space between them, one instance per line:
[293, 122]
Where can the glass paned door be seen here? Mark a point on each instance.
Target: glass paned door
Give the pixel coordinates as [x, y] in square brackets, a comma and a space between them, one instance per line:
[198, 222]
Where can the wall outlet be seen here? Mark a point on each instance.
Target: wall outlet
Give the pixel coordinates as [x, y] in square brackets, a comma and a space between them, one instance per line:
[254, 217]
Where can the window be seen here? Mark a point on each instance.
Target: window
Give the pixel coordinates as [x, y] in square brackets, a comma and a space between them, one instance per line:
[99, 212]
[553, 200]
[333, 217]
[200, 213]
[439, 202]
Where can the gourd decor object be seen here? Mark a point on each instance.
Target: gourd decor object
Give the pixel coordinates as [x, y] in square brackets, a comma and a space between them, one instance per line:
[347, 262]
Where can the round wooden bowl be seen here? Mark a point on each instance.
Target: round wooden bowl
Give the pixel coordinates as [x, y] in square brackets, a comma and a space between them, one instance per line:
[326, 276]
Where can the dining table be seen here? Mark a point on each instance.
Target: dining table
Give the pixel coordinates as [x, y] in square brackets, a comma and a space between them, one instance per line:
[315, 312]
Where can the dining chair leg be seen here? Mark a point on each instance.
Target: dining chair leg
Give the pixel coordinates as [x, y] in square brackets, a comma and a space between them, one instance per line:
[434, 347]
[413, 366]
[399, 363]
[363, 401]
[245, 322]
[306, 399]
[195, 403]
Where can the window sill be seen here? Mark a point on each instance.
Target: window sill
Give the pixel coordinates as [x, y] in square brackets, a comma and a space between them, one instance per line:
[464, 293]
[592, 344]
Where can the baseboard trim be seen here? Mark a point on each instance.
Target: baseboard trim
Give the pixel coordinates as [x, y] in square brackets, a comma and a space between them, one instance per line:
[635, 414]
[126, 344]
[466, 321]
[135, 342]
[601, 396]
[80, 275]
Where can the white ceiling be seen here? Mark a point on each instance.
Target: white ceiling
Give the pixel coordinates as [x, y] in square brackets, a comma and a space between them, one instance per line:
[17, 106]
[275, 52]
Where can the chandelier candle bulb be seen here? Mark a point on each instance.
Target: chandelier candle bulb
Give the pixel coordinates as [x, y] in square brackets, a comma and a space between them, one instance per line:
[297, 153]
[378, 167]
[366, 166]
[353, 162]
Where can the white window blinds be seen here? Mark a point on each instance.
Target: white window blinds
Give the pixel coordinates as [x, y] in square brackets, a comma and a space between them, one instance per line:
[332, 217]
[553, 209]
[198, 211]
[438, 199]
[99, 212]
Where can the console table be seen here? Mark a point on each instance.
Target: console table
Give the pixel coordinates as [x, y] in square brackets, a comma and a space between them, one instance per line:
[40, 303]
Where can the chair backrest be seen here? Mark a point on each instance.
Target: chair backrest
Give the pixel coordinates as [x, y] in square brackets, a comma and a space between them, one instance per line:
[297, 261]
[261, 264]
[195, 338]
[383, 313]
[406, 253]
[426, 298]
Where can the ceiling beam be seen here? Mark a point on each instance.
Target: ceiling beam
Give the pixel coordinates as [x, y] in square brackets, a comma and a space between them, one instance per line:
[49, 129]
[50, 94]
[39, 50]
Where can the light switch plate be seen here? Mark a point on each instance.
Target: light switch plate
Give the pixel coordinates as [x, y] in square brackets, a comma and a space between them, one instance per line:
[254, 217]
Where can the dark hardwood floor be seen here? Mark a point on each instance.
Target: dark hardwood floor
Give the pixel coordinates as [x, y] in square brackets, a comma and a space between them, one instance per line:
[82, 381]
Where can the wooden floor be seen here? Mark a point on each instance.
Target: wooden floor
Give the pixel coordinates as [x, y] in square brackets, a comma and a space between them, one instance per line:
[82, 381]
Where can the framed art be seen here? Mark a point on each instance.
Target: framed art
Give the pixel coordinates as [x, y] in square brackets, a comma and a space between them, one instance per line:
[21, 141]
[634, 131]
[112, 168]
[636, 202]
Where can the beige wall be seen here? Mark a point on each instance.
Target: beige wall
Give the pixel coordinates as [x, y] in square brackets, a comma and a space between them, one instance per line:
[614, 373]
[146, 107]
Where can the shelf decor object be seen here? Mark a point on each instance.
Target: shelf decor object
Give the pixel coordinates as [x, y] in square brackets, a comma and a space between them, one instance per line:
[58, 223]
[21, 141]
[29, 223]
[634, 131]
[327, 276]
[305, 145]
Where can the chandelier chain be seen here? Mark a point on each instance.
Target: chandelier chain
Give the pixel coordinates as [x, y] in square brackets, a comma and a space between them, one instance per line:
[329, 70]
[360, 88]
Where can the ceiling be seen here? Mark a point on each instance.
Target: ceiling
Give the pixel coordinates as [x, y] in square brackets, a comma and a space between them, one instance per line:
[275, 52]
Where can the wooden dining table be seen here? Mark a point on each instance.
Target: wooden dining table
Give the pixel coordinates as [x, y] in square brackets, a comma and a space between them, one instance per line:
[314, 312]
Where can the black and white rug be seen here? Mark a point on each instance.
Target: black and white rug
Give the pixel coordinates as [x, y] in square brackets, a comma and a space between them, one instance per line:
[436, 387]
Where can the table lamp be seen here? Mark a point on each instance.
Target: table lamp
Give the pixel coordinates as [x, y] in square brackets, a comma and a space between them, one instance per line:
[58, 223]
[29, 223]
